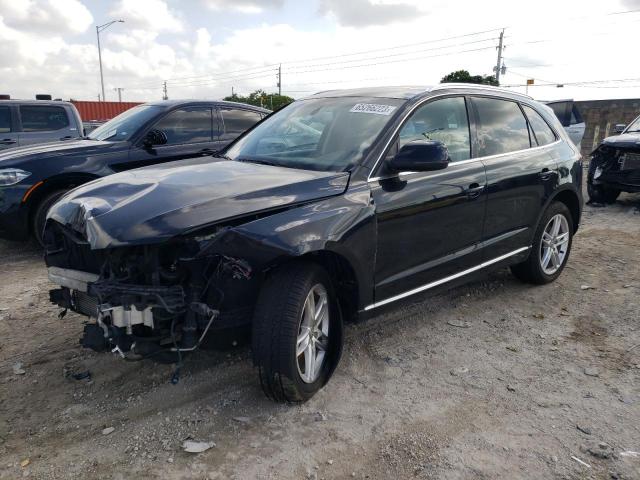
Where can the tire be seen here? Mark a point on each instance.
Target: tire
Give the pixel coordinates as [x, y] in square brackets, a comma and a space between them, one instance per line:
[533, 270]
[40, 214]
[278, 327]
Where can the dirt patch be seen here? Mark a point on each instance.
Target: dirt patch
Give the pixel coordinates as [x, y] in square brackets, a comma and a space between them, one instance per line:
[415, 396]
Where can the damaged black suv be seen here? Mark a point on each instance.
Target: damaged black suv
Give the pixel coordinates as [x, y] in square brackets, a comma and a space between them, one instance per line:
[333, 208]
[615, 165]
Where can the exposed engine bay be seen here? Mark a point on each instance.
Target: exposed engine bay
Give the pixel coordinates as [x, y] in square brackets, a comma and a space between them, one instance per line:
[614, 168]
[148, 301]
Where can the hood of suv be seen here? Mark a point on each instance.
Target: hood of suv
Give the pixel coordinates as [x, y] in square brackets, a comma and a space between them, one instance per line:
[626, 140]
[153, 204]
[52, 149]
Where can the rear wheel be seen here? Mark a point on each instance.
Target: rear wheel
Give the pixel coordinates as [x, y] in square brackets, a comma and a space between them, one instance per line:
[551, 247]
[297, 332]
[40, 214]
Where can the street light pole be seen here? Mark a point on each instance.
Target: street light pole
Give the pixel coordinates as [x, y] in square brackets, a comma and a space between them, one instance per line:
[100, 28]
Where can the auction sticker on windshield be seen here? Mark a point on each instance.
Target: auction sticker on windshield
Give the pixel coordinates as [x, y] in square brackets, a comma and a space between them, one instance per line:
[373, 108]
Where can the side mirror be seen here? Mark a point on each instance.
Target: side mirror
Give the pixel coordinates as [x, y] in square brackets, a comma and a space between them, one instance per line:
[421, 156]
[619, 128]
[155, 137]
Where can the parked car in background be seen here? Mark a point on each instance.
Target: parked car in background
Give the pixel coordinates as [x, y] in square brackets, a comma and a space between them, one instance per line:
[615, 165]
[33, 178]
[570, 118]
[334, 207]
[27, 122]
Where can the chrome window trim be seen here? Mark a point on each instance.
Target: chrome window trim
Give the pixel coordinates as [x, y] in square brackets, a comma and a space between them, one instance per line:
[445, 280]
[461, 162]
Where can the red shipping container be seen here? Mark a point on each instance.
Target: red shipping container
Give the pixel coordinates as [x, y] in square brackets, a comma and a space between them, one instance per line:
[101, 111]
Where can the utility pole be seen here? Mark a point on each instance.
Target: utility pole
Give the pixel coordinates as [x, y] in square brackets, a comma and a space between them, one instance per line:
[233, 93]
[280, 80]
[100, 28]
[119, 90]
[499, 68]
[165, 96]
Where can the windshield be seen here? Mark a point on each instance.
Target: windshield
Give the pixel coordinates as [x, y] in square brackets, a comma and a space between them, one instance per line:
[317, 134]
[635, 126]
[126, 124]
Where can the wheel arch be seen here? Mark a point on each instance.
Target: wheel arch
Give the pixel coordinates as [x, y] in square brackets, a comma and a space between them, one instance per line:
[572, 200]
[58, 182]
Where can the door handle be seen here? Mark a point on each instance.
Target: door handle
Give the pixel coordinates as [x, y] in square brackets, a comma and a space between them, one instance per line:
[545, 174]
[7, 141]
[207, 151]
[474, 190]
[68, 137]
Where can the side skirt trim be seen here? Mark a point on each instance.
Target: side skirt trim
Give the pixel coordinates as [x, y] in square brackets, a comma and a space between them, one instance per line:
[446, 279]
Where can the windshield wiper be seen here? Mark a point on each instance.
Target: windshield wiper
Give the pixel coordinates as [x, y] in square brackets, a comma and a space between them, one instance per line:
[257, 160]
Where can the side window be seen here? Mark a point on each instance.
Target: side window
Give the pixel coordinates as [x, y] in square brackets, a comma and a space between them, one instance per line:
[237, 121]
[5, 120]
[443, 120]
[502, 127]
[561, 109]
[541, 130]
[193, 125]
[44, 118]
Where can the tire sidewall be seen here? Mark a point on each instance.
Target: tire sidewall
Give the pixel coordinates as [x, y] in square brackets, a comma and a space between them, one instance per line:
[332, 357]
[553, 210]
[40, 214]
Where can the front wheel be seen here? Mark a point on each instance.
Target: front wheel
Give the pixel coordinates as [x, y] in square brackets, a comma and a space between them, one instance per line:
[40, 214]
[297, 332]
[602, 194]
[551, 247]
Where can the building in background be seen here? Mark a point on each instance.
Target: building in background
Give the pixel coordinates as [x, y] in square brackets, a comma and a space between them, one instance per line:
[601, 117]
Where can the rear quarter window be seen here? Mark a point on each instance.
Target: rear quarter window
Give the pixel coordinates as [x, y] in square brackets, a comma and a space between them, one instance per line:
[541, 130]
[36, 118]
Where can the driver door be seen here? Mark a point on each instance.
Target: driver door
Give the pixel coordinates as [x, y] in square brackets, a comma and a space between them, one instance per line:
[430, 223]
[190, 131]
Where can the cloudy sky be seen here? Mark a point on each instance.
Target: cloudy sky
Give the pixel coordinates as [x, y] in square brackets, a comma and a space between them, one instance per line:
[204, 48]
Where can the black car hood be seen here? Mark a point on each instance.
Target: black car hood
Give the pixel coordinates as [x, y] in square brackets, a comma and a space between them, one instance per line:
[48, 150]
[626, 140]
[151, 205]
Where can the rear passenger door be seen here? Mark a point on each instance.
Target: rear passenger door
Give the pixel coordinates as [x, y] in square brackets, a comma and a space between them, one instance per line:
[8, 135]
[521, 174]
[236, 121]
[45, 123]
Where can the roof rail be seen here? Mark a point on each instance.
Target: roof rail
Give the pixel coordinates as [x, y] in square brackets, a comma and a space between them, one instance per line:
[442, 86]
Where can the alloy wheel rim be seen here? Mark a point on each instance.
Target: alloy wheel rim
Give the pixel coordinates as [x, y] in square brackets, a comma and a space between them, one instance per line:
[555, 244]
[313, 335]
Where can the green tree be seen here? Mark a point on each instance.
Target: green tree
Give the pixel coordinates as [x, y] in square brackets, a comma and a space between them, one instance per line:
[463, 76]
[260, 98]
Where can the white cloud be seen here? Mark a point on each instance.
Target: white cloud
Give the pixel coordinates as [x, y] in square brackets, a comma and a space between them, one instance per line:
[43, 17]
[149, 15]
[244, 6]
[361, 13]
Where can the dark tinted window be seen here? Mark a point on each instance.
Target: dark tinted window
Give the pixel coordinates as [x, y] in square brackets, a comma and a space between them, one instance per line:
[442, 120]
[541, 129]
[187, 126]
[562, 111]
[237, 121]
[502, 127]
[37, 118]
[5, 120]
[576, 117]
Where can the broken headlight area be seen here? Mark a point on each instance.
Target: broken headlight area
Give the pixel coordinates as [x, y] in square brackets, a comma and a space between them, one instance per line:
[619, 167]
[150, 300]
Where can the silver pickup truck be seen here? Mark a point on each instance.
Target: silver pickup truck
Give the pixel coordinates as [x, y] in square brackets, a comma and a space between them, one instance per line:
[26, 122]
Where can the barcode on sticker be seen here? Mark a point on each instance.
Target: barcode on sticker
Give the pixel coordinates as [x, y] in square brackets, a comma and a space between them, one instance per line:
[373, 108]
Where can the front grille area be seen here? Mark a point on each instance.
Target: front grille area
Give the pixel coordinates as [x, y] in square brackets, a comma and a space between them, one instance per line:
[630, 161]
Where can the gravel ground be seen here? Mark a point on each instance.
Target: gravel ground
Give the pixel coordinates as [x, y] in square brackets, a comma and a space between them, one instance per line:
[539, 382]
